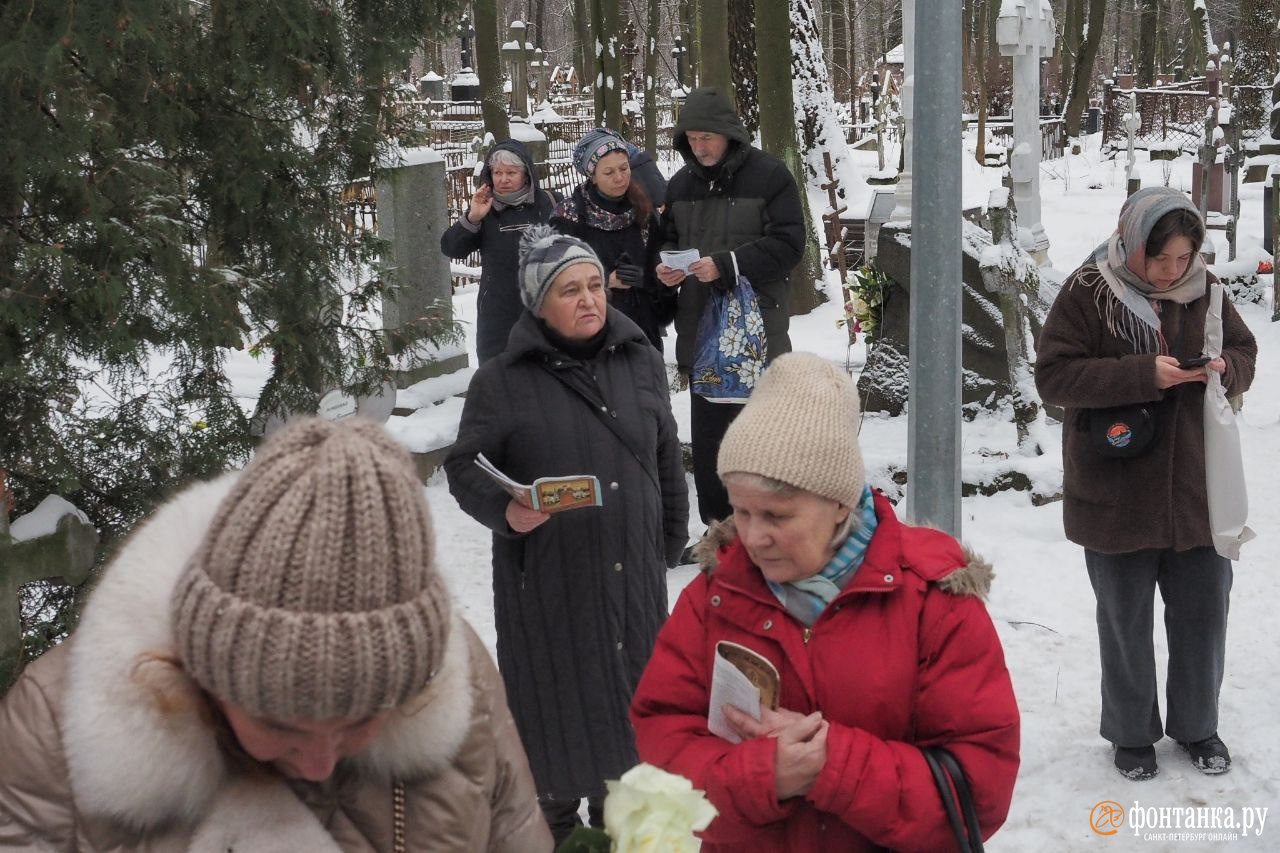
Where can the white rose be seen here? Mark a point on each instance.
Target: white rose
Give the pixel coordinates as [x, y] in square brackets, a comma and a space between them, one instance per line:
[650, 810]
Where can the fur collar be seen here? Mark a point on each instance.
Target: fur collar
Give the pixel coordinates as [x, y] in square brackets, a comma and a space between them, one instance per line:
[974, 577]
[138, 751]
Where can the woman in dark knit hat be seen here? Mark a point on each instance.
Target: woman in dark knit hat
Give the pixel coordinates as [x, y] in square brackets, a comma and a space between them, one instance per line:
[612, 213]
[271, 663]
[1115, 336]
[579, 595]
[876, 628]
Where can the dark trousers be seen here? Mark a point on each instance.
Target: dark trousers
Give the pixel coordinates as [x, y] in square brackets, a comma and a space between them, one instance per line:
[707, 425]
[1196, 588]
[562, 815]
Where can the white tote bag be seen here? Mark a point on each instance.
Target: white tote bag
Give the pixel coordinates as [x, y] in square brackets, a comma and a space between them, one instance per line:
[1223, 464]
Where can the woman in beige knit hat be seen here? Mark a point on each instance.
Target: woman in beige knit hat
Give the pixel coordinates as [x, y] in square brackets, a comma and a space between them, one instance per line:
[271, 664]
[876, 629]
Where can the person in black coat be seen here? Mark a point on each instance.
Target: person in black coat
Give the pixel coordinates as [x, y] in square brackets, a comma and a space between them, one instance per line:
[506, 203]
[612, 214]
[644, 171]
[579, 596]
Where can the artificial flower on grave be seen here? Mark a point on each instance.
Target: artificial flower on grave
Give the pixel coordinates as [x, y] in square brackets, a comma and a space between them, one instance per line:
[648, 810]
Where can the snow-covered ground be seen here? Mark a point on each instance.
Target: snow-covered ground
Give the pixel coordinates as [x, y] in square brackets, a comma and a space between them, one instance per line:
[1041, 602]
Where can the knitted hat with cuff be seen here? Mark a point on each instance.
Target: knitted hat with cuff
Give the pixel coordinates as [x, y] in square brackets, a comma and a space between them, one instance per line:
[800, 427]
[313, 594]
[544, 253]
[594, 146]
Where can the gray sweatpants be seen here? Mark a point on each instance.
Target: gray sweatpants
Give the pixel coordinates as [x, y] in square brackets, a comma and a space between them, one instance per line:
[1196, 587]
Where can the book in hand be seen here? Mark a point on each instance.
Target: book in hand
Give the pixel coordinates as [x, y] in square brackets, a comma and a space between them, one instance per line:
[745, 679]
[547, 494]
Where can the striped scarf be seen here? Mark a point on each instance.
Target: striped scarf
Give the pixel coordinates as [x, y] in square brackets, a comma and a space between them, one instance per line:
[806, 599]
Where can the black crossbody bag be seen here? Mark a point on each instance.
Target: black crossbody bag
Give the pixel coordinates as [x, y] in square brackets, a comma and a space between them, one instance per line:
[1123, 432]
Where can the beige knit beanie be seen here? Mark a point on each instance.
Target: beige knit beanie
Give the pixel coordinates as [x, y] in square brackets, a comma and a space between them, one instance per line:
[314, 594]
[800, 427]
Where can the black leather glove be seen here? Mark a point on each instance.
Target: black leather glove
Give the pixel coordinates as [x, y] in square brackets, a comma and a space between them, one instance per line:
[631, 275]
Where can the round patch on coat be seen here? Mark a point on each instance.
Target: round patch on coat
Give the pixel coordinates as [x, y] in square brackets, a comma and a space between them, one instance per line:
[1119, 434]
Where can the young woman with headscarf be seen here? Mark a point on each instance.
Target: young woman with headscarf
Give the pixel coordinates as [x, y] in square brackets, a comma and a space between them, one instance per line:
[1115, 336]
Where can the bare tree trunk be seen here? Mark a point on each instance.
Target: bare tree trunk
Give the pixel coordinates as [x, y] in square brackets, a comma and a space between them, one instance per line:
[1193, 45]
[980, 61]
[651, 79]
[692, 10]
[1082, 79]
[1072, 42]
[493, 102]
[584, 55]
[1254, 68]
[539, 16]
[1115, 46]
[1146, 53]
[716, 70]
[838, 34]
[742, 40]
[606, 79]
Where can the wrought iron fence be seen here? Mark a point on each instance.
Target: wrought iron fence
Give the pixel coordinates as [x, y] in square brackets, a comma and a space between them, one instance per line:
[1168, 114]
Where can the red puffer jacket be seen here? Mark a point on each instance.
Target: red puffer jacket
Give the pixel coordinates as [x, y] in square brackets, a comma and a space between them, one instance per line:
[906, 656]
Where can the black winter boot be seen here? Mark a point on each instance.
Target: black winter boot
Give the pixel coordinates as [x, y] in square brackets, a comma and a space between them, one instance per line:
[1137, 763]
[1210, 756]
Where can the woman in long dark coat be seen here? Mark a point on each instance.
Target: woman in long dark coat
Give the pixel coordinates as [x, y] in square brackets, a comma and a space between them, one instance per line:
[613, 214]
[507, 202]
[579, 596]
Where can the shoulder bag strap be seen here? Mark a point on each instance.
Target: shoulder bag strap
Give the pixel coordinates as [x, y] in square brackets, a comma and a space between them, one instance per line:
[953, 790]
[608, 420]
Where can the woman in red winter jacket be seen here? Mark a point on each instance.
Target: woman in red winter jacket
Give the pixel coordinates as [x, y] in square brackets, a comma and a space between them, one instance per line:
[877, 630]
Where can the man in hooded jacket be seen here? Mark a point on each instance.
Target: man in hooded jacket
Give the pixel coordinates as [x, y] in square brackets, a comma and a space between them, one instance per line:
[740, 208]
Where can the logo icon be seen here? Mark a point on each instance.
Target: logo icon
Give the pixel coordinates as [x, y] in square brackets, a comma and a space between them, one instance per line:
[1119, 434]
[1106, 818]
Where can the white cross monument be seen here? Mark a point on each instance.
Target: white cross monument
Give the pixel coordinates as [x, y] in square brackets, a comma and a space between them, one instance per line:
[1025, 31]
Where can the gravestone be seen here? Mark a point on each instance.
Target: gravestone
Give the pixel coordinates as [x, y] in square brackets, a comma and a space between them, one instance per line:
[1025, 31]
[65, 555]
[465, 85]
[412, 214]
[884, 381]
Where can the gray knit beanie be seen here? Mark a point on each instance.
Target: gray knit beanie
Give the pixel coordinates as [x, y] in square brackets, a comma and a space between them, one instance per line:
[314, 594]
[595, 145]
[799, 427]
[544, 252]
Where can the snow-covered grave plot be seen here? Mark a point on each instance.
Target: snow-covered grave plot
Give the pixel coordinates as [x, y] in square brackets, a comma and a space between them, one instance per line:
[1041, 602]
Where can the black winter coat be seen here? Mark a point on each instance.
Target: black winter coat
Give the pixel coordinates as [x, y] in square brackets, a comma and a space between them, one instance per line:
[610, 228]
[497, 238]
[579, 600]
[746, 205]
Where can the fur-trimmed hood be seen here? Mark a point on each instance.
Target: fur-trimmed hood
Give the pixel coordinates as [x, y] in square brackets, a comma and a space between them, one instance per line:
[139, 750]
[972, 576]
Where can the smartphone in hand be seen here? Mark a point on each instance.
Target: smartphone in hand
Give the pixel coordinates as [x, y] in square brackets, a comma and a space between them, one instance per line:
[1193, 363]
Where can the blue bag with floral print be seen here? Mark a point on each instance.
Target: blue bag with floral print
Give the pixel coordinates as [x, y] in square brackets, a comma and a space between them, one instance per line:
[729, 351]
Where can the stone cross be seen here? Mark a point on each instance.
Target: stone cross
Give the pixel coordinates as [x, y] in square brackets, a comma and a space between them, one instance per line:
[1025, 31]
[516, 52]
[906, 95]
[1132, 121]
[65, 556]
[1008, 272]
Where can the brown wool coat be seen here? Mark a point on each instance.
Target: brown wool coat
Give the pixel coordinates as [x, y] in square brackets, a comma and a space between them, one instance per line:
[89, 762]
[1158, 499]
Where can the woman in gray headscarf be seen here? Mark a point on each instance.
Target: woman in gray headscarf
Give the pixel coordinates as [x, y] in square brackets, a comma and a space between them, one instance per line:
[1127, 330]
